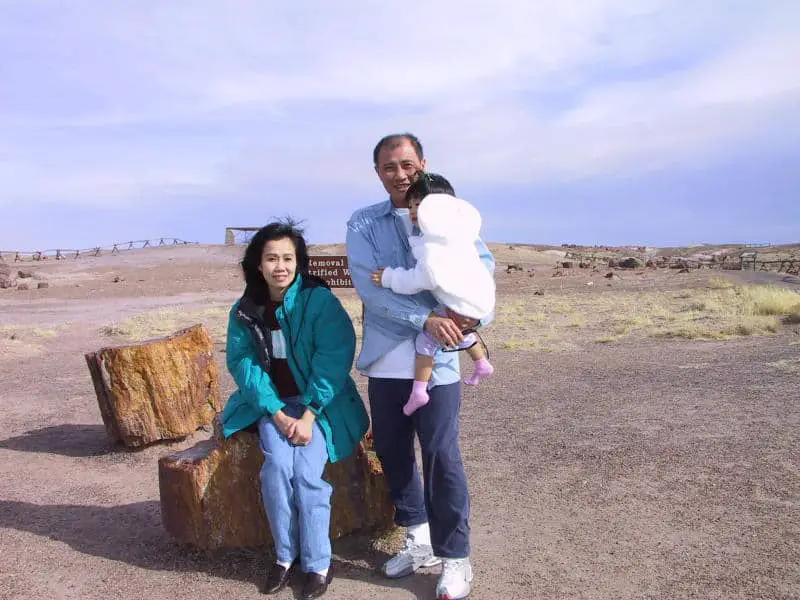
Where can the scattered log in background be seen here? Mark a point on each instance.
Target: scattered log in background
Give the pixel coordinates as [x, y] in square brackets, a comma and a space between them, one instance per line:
[162, 389]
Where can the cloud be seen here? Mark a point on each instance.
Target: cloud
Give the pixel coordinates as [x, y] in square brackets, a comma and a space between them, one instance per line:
[123, 103]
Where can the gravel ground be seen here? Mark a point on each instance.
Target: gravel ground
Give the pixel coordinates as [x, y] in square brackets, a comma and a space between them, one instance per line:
[640, 469]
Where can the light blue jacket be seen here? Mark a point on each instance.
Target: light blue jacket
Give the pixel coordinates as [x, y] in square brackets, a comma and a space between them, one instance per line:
[376, 238]
[321, 343]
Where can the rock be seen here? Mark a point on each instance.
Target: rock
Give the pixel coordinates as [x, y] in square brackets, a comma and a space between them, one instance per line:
[42, 285]
[630, 263]
[25, 274]
[513, 267]
[117, 279]
[7, 277]
[211, 497]
[23, 287]
[162, 389]
[566, 264]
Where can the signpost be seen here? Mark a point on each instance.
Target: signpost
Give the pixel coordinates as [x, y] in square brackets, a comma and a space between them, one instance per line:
[333, 269]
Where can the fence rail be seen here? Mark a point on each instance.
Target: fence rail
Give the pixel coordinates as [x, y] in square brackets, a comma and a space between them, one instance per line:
[62, 253]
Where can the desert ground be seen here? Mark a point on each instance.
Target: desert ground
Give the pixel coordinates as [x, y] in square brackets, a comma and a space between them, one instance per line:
[639, 439]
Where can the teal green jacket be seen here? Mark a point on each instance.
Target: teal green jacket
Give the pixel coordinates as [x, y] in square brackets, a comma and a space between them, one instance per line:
[321, 345]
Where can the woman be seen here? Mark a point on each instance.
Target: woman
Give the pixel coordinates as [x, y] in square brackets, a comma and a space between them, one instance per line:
[290, 349]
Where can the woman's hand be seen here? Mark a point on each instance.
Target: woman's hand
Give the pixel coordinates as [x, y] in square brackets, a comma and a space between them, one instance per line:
[377, 276]
[285, 424]
[303, 429]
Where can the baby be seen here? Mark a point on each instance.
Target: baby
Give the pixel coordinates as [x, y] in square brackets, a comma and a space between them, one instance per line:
[449, 266]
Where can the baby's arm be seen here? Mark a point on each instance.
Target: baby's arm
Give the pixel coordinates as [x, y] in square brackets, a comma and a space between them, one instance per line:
[403, 281]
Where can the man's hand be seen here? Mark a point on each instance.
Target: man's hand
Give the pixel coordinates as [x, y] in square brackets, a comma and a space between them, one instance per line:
[285, 424]
[377, 276]
[303, 429]
[461, 321]
[444, 330]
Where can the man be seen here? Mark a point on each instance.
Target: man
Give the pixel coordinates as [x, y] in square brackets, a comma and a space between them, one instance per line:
[436, 514]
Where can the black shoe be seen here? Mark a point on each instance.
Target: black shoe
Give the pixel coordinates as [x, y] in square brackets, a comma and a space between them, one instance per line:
[277, 578]
[315, 585]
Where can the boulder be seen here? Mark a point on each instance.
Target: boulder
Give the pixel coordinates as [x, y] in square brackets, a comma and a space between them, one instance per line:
[162, 389]
[211, 496]
[8, 277]
[630, 262]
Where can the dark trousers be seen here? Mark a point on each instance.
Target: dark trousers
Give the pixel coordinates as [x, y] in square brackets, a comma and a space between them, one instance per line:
[443, 501]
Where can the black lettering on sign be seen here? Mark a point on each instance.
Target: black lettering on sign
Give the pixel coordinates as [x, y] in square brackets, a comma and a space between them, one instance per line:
[333, 269]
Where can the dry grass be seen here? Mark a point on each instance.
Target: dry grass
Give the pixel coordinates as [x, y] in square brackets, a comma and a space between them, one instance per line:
[791, 365]
[551, 323]
[158, 323]
[719, 311]
[22, 342]
[22, 333]
[719, 283]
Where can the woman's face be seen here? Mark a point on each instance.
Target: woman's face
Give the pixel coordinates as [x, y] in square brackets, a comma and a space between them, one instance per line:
[278, 266]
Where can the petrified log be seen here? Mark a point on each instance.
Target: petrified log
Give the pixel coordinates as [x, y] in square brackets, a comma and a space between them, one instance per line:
[211, 496]
[162, 389]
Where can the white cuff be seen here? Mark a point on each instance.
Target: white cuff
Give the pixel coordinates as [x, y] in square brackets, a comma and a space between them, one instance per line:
[386, 277]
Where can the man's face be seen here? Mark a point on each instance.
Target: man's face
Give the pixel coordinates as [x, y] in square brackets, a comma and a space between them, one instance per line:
[397, 167]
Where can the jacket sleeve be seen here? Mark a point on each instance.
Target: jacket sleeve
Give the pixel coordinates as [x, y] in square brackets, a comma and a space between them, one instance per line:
[407, 281]
[362, 261]
[253, 381]
[488, 260]
[334, 351]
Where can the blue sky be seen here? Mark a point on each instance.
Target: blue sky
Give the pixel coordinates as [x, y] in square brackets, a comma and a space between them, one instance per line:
[610, 121]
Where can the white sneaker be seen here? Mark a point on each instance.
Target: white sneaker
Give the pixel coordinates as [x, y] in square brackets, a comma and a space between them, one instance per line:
[456, 579]
[413, 556]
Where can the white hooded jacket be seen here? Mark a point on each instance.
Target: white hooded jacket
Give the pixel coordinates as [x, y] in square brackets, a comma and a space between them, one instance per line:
[448, 263]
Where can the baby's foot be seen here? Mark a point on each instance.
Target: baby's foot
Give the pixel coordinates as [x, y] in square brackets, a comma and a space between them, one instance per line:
[419, 397]
[483, 369]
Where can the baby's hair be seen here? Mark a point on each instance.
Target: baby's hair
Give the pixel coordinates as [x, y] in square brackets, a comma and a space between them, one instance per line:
[429, 183]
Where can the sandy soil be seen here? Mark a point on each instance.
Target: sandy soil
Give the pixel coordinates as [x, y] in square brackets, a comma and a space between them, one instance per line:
[640, 469]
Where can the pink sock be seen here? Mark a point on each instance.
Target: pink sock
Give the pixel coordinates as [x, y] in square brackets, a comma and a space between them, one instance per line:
[483, 369]
[419, 397]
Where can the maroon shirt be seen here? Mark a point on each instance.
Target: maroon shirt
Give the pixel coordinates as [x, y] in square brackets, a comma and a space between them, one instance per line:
[280, 373]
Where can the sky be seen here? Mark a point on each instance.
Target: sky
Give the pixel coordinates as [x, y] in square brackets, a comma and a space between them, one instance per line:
[655, 122]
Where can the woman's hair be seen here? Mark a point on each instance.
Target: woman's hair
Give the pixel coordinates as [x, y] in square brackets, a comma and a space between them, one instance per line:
[429, 183]
[255, 285]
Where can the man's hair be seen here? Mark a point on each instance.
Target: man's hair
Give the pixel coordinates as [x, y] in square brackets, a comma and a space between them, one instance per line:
[395, 139]
[429, 183]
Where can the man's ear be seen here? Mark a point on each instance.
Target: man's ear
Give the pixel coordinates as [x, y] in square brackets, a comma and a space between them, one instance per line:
[376, 169]
[423, 163]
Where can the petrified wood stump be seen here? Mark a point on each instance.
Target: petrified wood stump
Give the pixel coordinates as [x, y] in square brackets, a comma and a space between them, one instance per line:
[162, 389]
[211, 497]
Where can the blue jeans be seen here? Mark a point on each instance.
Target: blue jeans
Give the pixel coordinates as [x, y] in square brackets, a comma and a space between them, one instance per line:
[443, 498]
[296, 498]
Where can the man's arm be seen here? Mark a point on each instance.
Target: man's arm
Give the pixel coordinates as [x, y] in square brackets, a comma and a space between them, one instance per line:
[362, 262]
